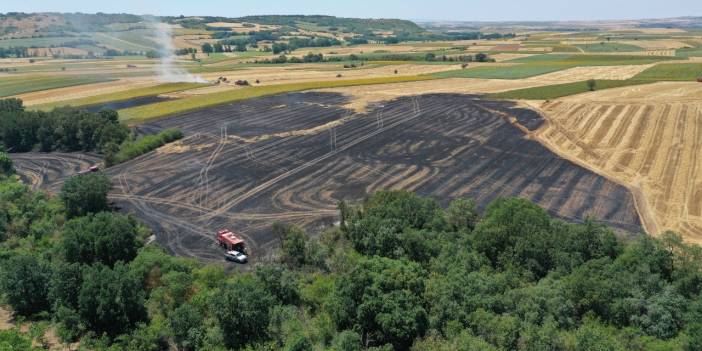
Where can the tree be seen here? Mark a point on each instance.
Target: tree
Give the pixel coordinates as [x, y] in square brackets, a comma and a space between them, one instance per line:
[379, 297]
[591, 84]
[279, 282]
[105, 237]
[14, 340]
[186, 323]
[462, 215]
[480, 57]
[111, 301]
[84, 194]
[11, 105]
[594, 336]
[516, 233]
[6, 166]
[207, 48]
[392, 224]
[64, 285]
[347, 340]
[430, 56]
[25, 281]
[242, 311]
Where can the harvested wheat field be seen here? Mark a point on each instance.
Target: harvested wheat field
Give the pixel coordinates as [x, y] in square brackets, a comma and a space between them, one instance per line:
[670, 52]
[361, 97]
[82, 91]
[293, 157]
[314, 73]
[648, 138]
[655, 44]
[592, 72]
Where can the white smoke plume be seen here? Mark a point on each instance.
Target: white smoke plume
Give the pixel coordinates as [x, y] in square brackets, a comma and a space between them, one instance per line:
[168, 71]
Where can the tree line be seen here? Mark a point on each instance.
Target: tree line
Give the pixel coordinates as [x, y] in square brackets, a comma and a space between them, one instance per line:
[65, 129]
[398, 273]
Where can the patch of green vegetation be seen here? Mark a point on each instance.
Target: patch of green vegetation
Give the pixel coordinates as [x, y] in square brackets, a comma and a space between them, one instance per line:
[133, 148]
[63, 129]
[136, 40]
[689, 52]
[672, 72]
[541, 64]
[121, 96]
[660, 72]
[575, 60]
[609, 47]
[560, 90]
[501, 72]
[564, 48]
[351, 25]
[37, 42]
[160, 109]
[19, 85]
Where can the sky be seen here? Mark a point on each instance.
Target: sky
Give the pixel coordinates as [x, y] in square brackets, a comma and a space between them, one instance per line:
[451, 10]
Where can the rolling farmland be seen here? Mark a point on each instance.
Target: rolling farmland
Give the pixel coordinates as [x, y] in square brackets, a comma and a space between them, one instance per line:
[293, 157]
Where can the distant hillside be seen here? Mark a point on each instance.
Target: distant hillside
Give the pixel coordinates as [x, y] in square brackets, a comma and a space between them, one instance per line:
[677, 22]
[346, 25]
[77, 35]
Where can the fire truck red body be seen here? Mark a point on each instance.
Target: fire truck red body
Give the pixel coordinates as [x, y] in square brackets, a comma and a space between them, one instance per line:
[230, 241]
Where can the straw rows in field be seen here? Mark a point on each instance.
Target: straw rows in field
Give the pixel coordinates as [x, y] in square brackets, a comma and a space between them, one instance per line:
[652, 145]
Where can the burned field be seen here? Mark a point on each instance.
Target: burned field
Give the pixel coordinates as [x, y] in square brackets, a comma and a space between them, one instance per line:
[48, 171]
[292, 157]
[118, 105]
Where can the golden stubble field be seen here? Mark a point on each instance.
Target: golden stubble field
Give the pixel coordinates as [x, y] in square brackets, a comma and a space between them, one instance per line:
[648, 138]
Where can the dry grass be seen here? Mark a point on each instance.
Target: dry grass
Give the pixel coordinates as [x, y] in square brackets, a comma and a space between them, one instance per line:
[156, 110]
[648, 138]
[278, 74]
[663, 44]
[363, 96]
[593, 72]
[63, 95]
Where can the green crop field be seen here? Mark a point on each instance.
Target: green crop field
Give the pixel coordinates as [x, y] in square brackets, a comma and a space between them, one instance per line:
[575, 60]
[130, 41]
[560, 90]
[672, 72]
[37, 42]
[660, 72]
[501, 72]
[146, 112]
[121, 96]
[609, 47]
[689, 52]
[564, 48]
[18, 85]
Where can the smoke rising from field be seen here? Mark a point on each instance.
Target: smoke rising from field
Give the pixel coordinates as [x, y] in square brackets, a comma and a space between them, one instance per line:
[167, 70]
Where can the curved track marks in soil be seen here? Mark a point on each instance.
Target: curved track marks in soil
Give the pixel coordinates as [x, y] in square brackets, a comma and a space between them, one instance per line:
[444, 145]
[48, 171]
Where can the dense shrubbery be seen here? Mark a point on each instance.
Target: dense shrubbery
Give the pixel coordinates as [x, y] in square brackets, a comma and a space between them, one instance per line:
[133, 148]
[399, 273]
[62, 129]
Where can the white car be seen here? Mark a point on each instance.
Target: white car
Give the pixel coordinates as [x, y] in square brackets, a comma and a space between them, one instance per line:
[236, 256]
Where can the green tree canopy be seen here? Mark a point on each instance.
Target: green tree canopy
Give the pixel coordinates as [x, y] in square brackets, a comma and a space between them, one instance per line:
[86, 193]
[104, 237]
